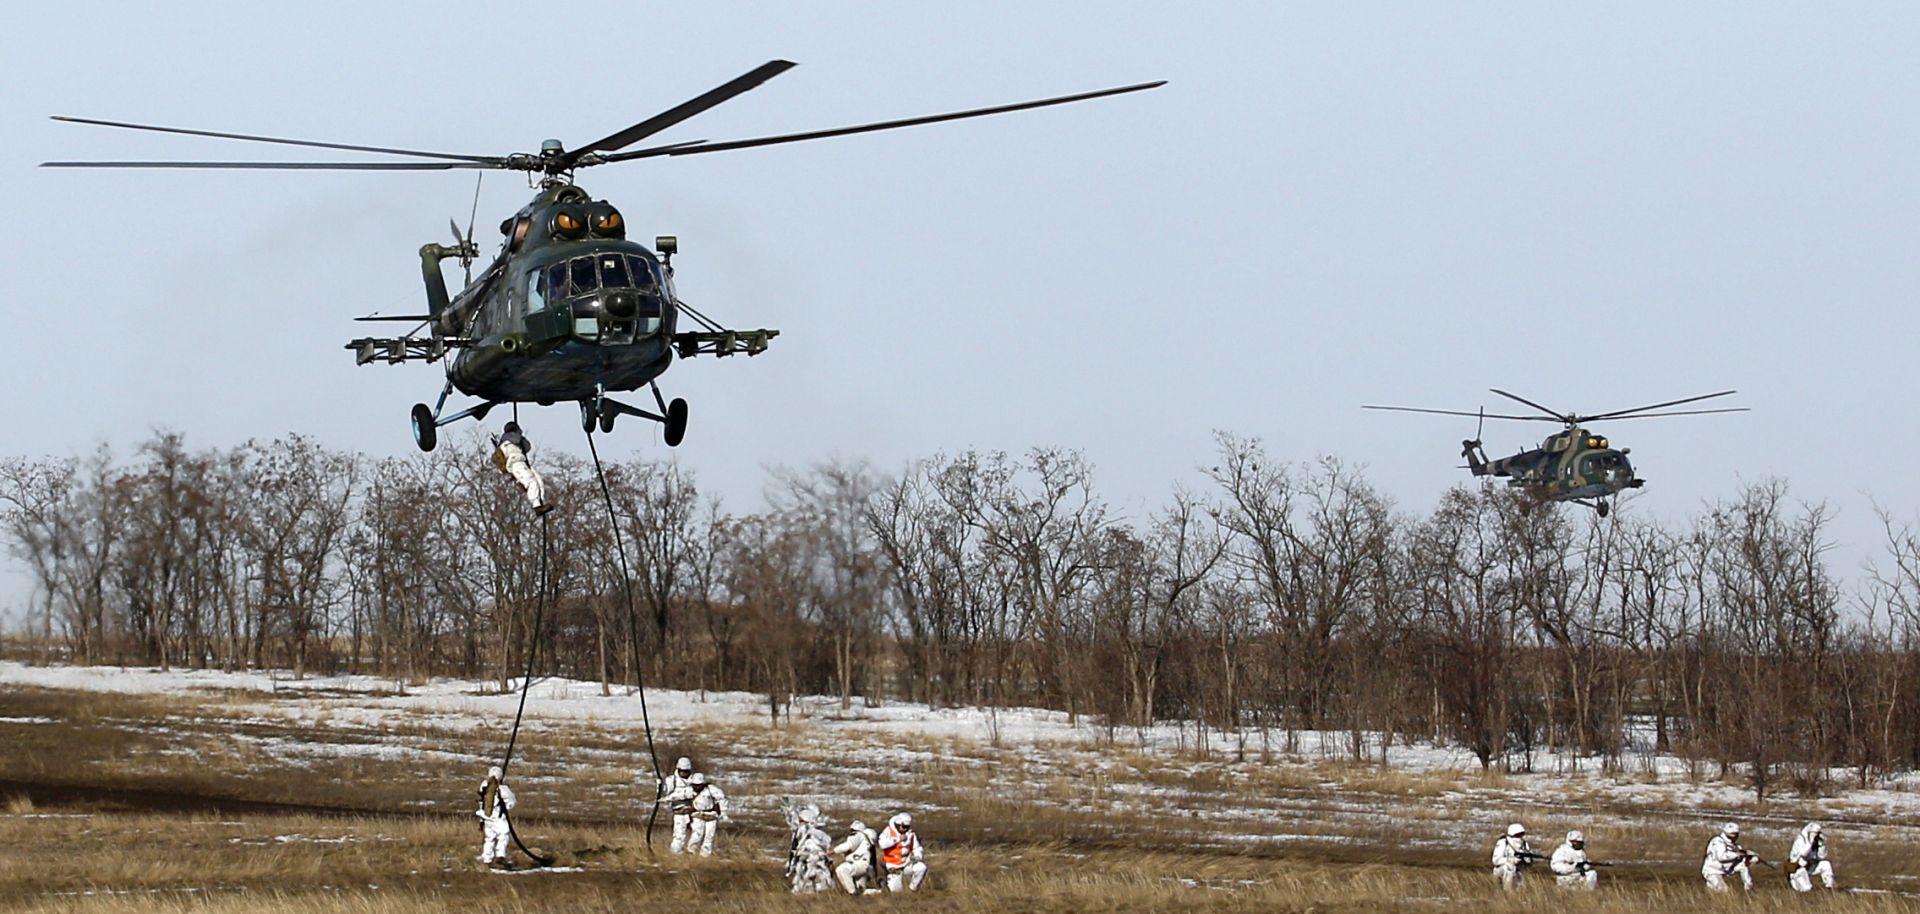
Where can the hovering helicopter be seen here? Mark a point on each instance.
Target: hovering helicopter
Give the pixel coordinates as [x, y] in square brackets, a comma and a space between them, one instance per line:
[1575, 464]
[568, 309]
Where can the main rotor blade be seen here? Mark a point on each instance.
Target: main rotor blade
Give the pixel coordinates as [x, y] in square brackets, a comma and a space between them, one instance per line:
[1558, 417]
[314, 166]
[1455, 412]
[1641, 409]
[1616, 417]
[688, 108]
[882, 125]
[474, 213]
[282, 141]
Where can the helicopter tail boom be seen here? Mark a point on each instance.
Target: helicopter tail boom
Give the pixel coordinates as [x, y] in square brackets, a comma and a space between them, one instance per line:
[1476, 458]
[430, 257]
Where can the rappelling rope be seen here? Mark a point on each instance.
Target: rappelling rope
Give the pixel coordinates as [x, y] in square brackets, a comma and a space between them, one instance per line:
[633, 634]
[526, 683]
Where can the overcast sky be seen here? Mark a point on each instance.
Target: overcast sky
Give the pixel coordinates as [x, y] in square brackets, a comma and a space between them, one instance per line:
[1593, 205]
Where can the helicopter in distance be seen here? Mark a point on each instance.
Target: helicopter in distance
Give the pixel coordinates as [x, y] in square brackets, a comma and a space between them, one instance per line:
[1575, 464]
[569, 308]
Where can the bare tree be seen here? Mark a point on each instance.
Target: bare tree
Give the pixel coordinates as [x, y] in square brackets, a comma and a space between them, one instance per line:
[38, 497]
[847, 573]
[1471, 608]
[1044, 532]
[1774, 610]
[1152, 590]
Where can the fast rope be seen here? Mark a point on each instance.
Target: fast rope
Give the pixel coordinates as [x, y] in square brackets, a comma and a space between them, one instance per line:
[633, 635]
[526, 683]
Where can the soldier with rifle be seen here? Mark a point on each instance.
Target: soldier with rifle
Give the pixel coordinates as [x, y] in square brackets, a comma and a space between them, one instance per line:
[808, 864]
[677, 789]
[709, 810]
[859, 869]
[496, 801]
[1571, 868]
[1725, 858]
[1809, 859]
[1511, 856]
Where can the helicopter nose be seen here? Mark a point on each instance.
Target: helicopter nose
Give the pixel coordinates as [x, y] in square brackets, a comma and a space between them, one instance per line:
[620, 304]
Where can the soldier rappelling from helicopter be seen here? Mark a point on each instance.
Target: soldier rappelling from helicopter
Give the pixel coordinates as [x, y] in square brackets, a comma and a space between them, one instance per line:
[510, 452]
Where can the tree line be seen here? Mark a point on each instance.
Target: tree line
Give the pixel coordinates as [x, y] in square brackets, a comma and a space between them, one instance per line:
[1272, 599]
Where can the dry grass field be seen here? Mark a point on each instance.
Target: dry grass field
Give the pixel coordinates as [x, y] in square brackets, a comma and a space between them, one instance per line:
[218, 802]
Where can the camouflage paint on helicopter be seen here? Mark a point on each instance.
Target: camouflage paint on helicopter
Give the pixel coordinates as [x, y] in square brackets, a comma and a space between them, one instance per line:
[1575, 464]
[569, 309]
[1569, 466]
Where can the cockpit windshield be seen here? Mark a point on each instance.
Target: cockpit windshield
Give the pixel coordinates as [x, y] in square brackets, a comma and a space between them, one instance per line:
[645, 273]
[586, 275]
[582, 280]
[1605, 461]
[613, 272]
[613, 295]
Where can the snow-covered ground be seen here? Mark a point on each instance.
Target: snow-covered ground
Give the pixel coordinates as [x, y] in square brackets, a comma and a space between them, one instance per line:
[1079, 767]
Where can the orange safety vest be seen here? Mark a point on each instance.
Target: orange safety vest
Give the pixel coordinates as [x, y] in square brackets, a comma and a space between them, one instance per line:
[896, 856]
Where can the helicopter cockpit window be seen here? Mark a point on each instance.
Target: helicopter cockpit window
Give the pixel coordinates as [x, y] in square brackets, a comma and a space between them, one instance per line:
[613, 272]
[642, 270]
[557, 280]
[536, 291]
[581, 270]
[1600, 463]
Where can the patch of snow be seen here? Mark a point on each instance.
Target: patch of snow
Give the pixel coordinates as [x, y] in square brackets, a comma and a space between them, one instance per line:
[840, 755]
[295, 838]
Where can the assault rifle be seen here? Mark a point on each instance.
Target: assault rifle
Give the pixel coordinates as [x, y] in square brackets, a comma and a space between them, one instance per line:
[490, 795]
[1756, 858]
[792, 814]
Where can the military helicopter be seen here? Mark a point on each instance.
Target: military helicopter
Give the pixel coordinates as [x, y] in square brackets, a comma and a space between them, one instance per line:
[568, 309]
[1575, 464]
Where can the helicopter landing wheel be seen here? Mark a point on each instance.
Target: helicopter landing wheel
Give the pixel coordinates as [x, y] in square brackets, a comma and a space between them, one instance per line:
[606, 421]
[425, 433]
[676, 422]
[587, 417]
[1602, 507]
